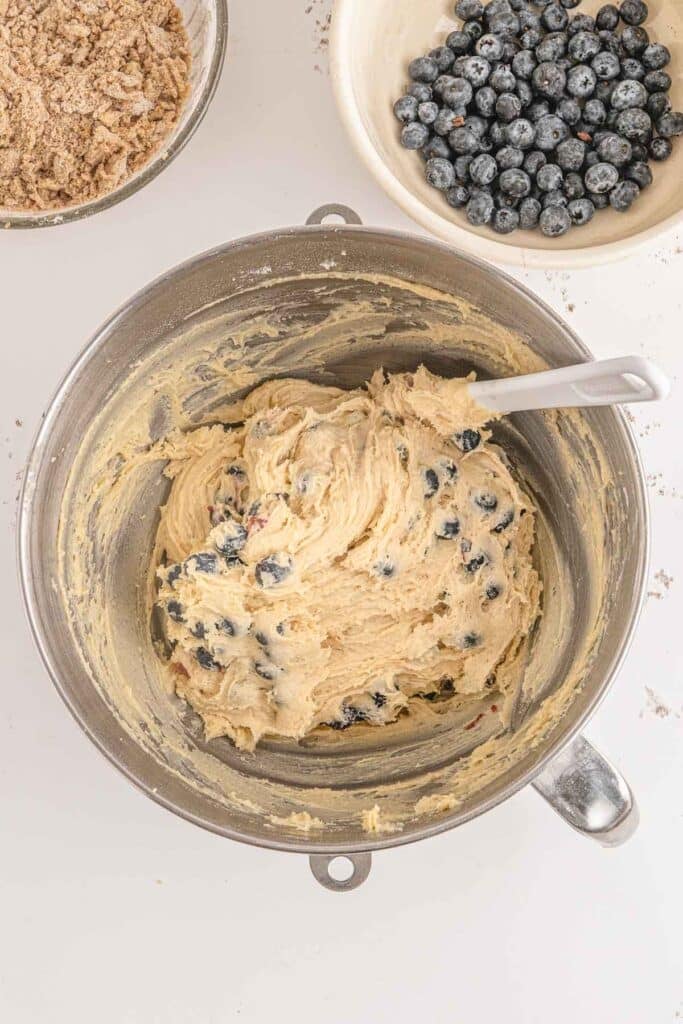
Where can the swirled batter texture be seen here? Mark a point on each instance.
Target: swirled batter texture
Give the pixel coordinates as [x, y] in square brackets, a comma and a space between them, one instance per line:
[339, 555]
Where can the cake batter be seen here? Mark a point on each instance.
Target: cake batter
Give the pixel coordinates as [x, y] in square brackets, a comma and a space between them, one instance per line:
[340, 555]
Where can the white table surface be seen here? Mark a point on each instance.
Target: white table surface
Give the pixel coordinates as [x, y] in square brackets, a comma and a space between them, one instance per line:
[112, 910]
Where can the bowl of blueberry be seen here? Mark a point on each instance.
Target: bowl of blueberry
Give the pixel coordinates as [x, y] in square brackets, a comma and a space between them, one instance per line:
[542, 134]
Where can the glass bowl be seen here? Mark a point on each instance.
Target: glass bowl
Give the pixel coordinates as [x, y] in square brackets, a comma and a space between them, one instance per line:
[206, 23]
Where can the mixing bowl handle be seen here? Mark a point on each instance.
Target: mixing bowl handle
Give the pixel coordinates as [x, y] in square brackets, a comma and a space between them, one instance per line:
[320, 866]
[589, 793]
[348, 215]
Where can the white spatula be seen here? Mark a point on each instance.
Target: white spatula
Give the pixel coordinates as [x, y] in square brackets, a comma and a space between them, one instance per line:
[603, 382]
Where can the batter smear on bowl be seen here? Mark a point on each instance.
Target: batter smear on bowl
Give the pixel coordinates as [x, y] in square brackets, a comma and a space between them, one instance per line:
[338, 555]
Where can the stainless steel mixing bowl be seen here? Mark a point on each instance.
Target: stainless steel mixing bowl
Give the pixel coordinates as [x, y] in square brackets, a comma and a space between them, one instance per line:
[337, 301]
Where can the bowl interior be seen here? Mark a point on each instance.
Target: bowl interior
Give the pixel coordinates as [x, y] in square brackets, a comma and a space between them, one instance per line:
[373, 44]
[313, 303]
[206, 25]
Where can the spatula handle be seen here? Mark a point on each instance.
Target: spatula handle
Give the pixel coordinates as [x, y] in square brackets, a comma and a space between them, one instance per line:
[603, 382]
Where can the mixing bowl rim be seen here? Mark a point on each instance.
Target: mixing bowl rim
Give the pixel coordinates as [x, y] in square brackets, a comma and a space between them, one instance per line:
[481, 245]
[28, 577]
[160, 160]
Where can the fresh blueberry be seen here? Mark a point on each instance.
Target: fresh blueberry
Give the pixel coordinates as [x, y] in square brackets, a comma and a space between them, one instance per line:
[473, 29]
[607, 17]
[205, 659]
[515, 182]
[581, 23]
[573, 186]
[462, 167]
[555, 18]
[175, 611]
[554, 221]
[537, 110]
[469, 439]
[551, 47]
[427, 112]
[497, 134]
[657, 81]
[635, 124]
[477, 125]
[204, 561]
[658, 103]
[655, 56]
[550, 132]
[639, 153]
[446, 120]
[632, 69]
[581, 211]
[640, 173]
[634, 40]
[442, 82]
[405, 109]
[594, 112]
[458, 94]
[509, 157]
[570, 154]
[495, 7]
[421, 91]
[449, 529]
[633, 12]
[423, 69]
[584, 46]
[485, 100]
[525, 92]
[466, 9]
[490, 47]
[504, 201]
[605, 65]
[457, 196]
[531, 38]
[660, 149]
[604, 90]
[508, 107]
[570, 4]
[600, 200]
[459, 42]
[569, 110]
[613, 149]
[440, 173]
[555, 197]
[601, 178]
[670, 124]
[462, 141]
[611, 42]
[581, 81]
[480, 209]
[529, 212]
[520, 133]
[505, 25]
[505, 220]
[444, 57]
[414, 135]
[436, 147]
[476, 70]
[549, 80]
[549, 177]
[483, 169]
[272, 570]
[502, 79]
[533, 162]
[627, 94]
[523, 63]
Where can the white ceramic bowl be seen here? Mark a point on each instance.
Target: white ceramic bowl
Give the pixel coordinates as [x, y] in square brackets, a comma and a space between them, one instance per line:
[372, 43]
